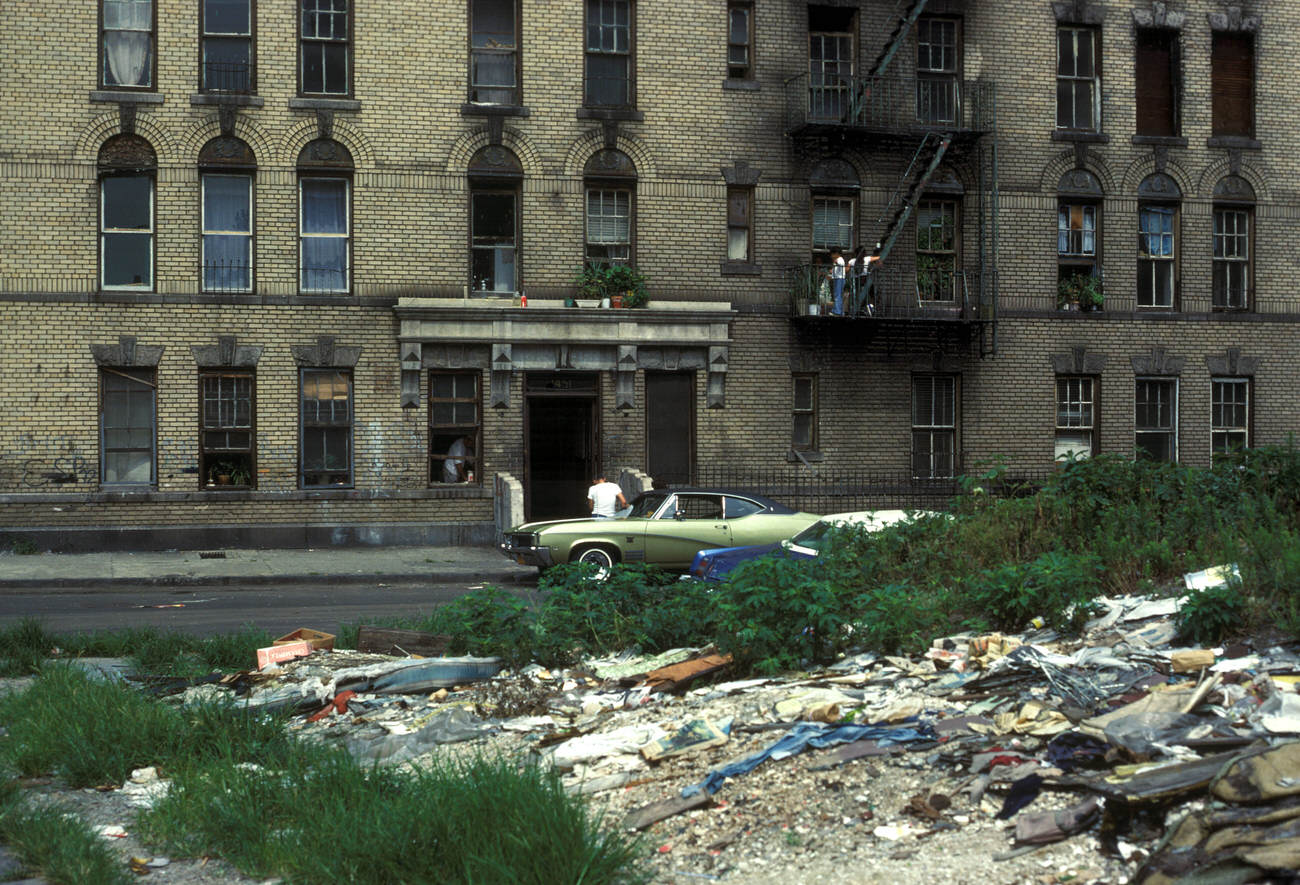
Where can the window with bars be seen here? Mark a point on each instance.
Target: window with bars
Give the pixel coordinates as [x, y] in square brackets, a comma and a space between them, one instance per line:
[227, 232]
[128, 427]
[1075, 417]
[804, 435]
[325, 48]
[1078, 79]
[324, 233]
[227, 46]
[934, 426]
[126, 44]
[226, 433]
[740, 40]
[1155, 418]
[937, 69]
[609, 53]
[1231, 259]
[494, 52]
[1157, 257]
[609, 225]
[936, 249]
[1229, 414]
[325, 428]
[455, 427]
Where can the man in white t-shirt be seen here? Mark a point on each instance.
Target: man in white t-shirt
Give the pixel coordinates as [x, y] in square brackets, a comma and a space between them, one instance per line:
[453, 466]
[602, 496]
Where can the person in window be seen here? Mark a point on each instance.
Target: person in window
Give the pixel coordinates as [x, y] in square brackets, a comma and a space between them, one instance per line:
[837, 281]
[602, 496]
[454, 467]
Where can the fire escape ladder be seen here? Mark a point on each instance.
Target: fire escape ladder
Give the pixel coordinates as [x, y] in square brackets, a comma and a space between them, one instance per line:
[901, 29]
[920, 170]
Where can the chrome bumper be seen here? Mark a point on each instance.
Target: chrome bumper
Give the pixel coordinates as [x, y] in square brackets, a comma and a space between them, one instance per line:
[536, 556]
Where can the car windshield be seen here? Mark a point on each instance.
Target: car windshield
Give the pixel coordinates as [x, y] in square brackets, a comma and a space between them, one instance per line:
[814, 536]
[645, 506]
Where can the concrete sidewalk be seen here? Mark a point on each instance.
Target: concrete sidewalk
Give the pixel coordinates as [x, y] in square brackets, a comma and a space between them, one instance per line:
[352, 565]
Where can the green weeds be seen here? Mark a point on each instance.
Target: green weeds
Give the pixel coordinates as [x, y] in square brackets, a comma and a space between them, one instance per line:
[57, 844]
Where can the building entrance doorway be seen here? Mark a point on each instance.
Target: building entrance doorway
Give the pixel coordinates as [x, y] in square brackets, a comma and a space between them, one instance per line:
[670, 426]
[561, 454]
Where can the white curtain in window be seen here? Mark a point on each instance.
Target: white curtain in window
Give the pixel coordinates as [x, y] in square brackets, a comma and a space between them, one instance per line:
[128, 40]
[324, 206]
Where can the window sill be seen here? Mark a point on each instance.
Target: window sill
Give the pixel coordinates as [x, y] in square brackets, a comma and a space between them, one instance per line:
[473, 109]
[226, 98]
[122, 96]
[809, 456]
[1237, 142]
[325, 104]
[1178, 141]
[1073, 135]
[741, 85]
[741, 269]
[630, 114]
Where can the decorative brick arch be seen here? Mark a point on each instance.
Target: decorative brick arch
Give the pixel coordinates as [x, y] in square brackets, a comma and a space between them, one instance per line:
[593, 142]
[1212, 174]
[1065, 161]
[471, 141]
[105, 126]
[306, 131]
[246, 130]
[1143, 166]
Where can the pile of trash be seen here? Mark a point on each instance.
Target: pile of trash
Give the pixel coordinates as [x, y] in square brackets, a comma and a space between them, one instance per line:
[1160, 763]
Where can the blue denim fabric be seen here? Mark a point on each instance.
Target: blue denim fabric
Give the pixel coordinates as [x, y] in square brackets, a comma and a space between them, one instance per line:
[811, 734]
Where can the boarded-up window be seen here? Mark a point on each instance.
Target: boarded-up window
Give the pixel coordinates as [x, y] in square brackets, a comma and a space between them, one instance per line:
[1156, 78]
[1232, 74]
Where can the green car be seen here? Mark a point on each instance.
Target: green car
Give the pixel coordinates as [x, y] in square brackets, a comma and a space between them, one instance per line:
[664, 527]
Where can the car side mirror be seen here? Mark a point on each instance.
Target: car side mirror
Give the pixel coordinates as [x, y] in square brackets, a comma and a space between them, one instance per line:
[680, 514]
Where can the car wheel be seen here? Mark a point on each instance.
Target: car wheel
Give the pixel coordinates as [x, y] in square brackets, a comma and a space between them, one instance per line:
[602, 558]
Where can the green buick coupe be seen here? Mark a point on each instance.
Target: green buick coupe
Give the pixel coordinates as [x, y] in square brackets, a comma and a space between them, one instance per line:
[664, 527]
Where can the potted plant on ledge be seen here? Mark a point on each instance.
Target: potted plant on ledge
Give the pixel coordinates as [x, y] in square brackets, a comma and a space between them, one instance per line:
[1081, 291]
[598, 282]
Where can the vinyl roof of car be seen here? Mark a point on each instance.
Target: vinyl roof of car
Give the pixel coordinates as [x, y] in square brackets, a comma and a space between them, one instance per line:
[767, 503]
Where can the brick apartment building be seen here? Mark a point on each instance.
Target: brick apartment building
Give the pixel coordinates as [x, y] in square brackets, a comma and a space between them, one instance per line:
[261, 262]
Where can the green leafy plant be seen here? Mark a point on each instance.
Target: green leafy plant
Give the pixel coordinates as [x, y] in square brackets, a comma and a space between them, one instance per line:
[1083, 289]
[598, 280]
[1209, 615]
[1057, 585]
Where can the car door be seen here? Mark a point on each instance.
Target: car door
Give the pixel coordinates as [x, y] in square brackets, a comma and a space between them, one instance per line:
[751, 524]
[691, 522]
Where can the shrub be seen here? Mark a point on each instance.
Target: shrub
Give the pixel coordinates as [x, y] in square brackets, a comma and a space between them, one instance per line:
[1208, 615]
[1058, 586]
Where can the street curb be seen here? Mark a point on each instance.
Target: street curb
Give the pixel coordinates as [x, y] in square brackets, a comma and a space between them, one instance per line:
[176, 580]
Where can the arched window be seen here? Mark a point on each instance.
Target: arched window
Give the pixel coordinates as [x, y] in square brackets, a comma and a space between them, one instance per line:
[127, 171]
[1234, 229]
[1159, 200]
[226, 167]
[610, 182]
[1078, 226]
[324, 217]
[495, 175]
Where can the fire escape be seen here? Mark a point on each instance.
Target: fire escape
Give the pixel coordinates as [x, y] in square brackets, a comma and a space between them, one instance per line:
[944, 295]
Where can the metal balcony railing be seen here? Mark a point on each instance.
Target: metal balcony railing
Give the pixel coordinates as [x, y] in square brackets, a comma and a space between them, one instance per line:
[905, 293]
[890, 104]
[233, 77]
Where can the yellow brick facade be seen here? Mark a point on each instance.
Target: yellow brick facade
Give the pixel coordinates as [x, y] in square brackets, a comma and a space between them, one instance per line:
[411, 136]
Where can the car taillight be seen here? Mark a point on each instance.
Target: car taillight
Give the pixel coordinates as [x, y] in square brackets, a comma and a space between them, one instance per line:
[701, 566]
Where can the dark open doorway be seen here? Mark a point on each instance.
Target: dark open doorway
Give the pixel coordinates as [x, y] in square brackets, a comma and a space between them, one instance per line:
[560, 427]
[670, 426]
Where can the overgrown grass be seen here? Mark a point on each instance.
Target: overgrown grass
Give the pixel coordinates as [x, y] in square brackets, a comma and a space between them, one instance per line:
[58, 845]
[307, 813]
[24, 647]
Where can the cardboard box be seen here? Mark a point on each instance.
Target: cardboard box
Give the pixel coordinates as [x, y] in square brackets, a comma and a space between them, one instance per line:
[274, 654]
[315, 638]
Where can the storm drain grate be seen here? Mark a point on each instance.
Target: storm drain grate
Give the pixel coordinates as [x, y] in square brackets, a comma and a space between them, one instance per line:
[213, 554]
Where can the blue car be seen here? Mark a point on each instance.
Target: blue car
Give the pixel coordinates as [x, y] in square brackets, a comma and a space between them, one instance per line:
[716, 563]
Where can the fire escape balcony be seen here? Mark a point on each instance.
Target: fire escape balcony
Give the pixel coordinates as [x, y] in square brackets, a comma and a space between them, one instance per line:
[888, 107]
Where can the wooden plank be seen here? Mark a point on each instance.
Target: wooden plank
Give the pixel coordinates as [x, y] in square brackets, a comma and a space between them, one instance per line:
[640, 818]
[387, 641]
